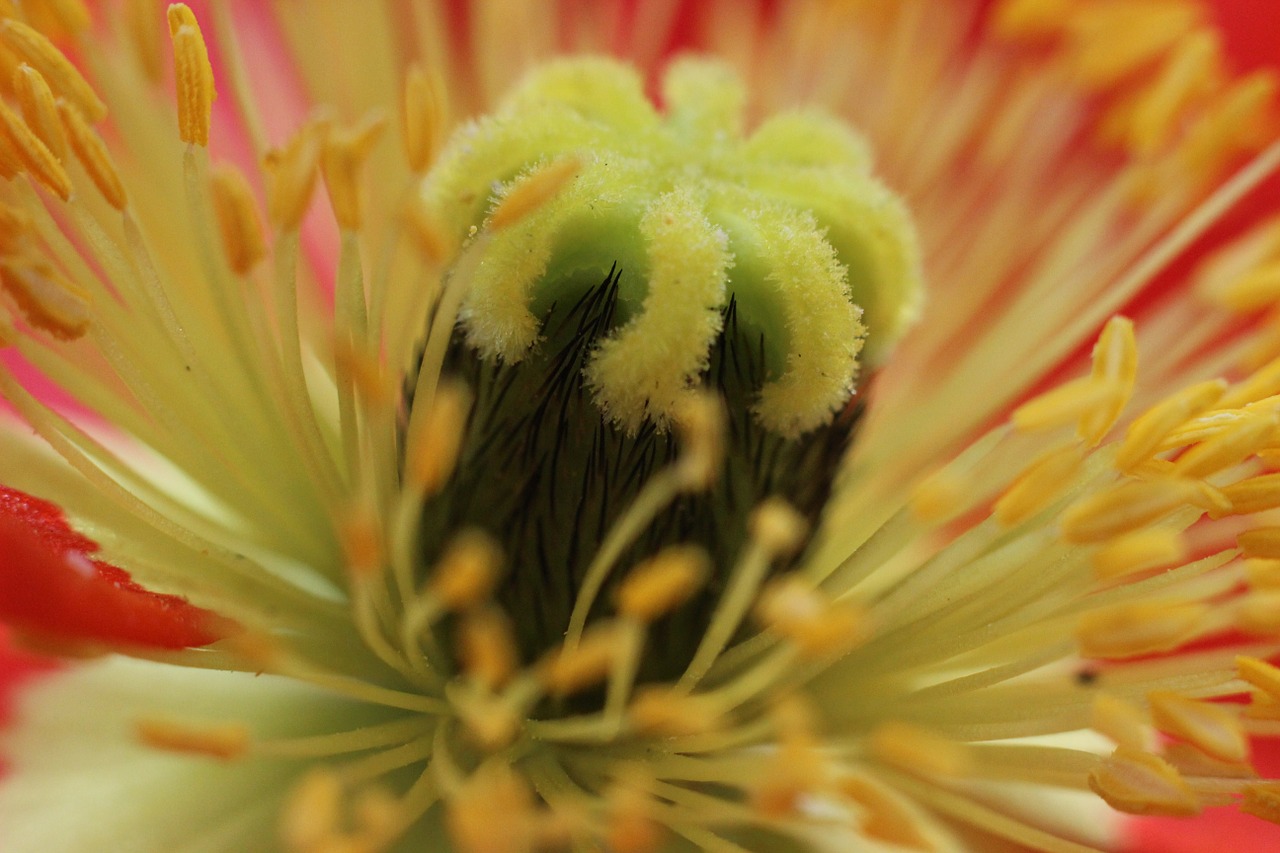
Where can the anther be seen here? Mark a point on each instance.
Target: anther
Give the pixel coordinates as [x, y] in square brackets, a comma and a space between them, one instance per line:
[467, 571]
[530, 192]
[1261, 542]
[224, 742]
[494, 789]
[312, 813]
[1146, 434]
[792, 608]
[362, 542]
[883, 814]
[700, 421]
[47, 299]
[1068, 403]
[1036, 487]
[630, 827]
[1261, 674]
[918, 750]
[1212, 728]
[1115, 362]
[1137, 782]
[193, 75]
[433, 449]
[342, 158]
[39, 110]
[424, 118]
[1228, 448]
[33, 154]
[667, 712]
[777, 528]
[61, 74]
[1139, 551]
[1123, 509]
[1141, 628]
[486, 647]
[93, 155]
[291, 173]
[1261, 799]
[570, 670]
[662, 583]
[1121, 721]
[238, 223]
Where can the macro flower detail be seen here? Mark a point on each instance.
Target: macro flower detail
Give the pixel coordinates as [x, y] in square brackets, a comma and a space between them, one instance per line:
[708, 426]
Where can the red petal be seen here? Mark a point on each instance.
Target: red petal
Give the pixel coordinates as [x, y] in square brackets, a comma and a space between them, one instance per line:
[50, 586]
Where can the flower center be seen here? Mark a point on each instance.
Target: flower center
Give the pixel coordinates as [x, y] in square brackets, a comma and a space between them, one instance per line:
[620, 263]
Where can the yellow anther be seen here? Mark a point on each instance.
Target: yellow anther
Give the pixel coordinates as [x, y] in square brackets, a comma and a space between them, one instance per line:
[1230, 447]
[1255, 494]
[93, 155]
[569, 670]
[432, 452]
[1261, 384]
[1152, 116]
[1124, 723]
[368, 374]
[33, 154]
[143, 26]
[39, 109]
[238, 222]
[62, 76]
[530, 192]
[15, 229]
[1258, 613]
[1147, 433]
[193, 75]
[1124, 508]
[1141, 628]
[487, 647]
[437, 244]
[777, 527]
[1139, 551]
[1260, 542]
[11, 164]
[47, 299]
[467, 571]
[1017, 19]
[1262, 800]
[1115, 362]
[700, 422]
[1258, 288]
[1110, 41]
[884, 815]
[1237, 120]
[312, 812]
[342, 159]
[1068, 403]
[661, 584]
[629, 823]
[1261, 674]
[940, 495]
[1262, 573]
[225, 742]
[918, 750]
[58, 16]
[664, 712]
[791, 608]
[492, 812]
[424, 118]
[1137, 782]
[1210, 727]
[1036, 487]
[291, 173]
[360, 532]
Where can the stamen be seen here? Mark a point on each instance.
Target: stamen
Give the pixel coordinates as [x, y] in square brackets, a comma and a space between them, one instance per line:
[1210, 727]
[1115, 361]
[1037, 486]
[1141, 628]
[36, 101]
[193, 74]
[1140, 783]
[792, 608]
[1123, 509]
[1070, 402]
[224, 742]
[884, 814]
[47, 299]
[467, 572]
[238, 223]
[62, 76]
[291, 176]
[533, 191]
[487, 648]
[662, 583]
[493, 789]
[919, 751]
[312, 814]
[93, 155]
[1261, 542]
[1147, 433]
[1262, 675]
[1228, 448]
[630, 826]
[569, 670]
[667, 712]
[431, 454]
[1122, 722]
[1139, 551]
[424, 118]
[33, 154]
[1262, 800]
[342, 158]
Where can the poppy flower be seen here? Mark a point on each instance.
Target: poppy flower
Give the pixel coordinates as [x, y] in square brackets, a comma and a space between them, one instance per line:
[678, 426]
